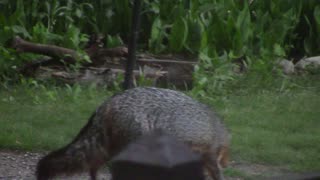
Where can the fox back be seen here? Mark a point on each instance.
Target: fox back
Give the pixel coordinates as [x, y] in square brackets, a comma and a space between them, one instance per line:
[141, 110]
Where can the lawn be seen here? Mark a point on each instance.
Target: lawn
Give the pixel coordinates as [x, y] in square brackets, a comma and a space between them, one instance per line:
[44, 118]
[268, 126]
[272, 128]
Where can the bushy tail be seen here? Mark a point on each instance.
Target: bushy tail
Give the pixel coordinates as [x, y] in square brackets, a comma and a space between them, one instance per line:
[84, 153]
[57, 163]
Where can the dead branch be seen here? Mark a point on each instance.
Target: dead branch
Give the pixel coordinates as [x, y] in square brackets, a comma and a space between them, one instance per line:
[164, 62]
[94, 53]
[102, 76]
[68, 55]
[173, 71]
[49, 50]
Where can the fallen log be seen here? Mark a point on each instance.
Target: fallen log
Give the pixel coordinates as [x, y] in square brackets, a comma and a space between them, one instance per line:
[99, 76]
[97, 55]
[69, 56]
[165, 62]
[173, 71]
[49, 50]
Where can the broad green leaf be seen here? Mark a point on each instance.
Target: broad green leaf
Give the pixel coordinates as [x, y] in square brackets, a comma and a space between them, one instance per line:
[278, 50]
[155, 40]
[204, 40]
[196, 31]
[178, 35]
[307, 45]
[243, 24]
[317, 18]
[155, 29]
[5, 35]
[207, 7]
[114, 41]
[308, 41]
[21, 30]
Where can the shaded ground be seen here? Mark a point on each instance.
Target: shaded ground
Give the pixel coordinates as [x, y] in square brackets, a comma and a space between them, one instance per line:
[16, 165]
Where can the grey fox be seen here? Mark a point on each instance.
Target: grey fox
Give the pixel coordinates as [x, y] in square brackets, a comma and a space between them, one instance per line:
[126, 116]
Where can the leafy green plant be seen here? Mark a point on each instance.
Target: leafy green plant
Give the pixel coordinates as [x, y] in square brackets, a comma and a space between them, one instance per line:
[73, 91]
[114, 41]
[157, 36]
[178, 35]
[41, 34]
[260, 31]
[212, 74]
[74, 39]
[142, 80]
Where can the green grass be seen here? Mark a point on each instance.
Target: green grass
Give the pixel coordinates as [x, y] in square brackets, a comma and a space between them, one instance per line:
[274, 122]
[281, 129]
[268, 126]
[235, 173]
[274, 125]
[31, 119]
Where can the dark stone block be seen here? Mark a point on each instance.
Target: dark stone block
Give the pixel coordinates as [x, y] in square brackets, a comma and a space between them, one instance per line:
[157, 156]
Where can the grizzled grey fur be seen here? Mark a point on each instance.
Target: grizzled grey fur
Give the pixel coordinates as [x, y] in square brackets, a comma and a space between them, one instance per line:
[128, 115]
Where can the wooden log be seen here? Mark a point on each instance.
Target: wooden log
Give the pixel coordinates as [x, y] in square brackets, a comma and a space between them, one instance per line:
[68, 55]
[100, 76]
[97, 55]
[49, 50]
[170, 71]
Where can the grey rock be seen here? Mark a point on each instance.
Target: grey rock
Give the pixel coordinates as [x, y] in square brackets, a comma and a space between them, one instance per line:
[311, 62]
[286, 66]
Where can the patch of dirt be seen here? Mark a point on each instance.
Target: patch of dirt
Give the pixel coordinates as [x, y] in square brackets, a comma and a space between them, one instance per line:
[259, 170]
[16, 165]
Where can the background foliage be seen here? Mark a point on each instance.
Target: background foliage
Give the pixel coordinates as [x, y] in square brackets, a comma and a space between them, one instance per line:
[216, 31]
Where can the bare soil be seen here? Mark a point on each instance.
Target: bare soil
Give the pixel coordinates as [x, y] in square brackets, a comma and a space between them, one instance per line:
[16, 165]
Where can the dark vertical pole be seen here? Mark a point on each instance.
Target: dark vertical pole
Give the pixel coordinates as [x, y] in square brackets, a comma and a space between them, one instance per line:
[187, 4]
[131, 59]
